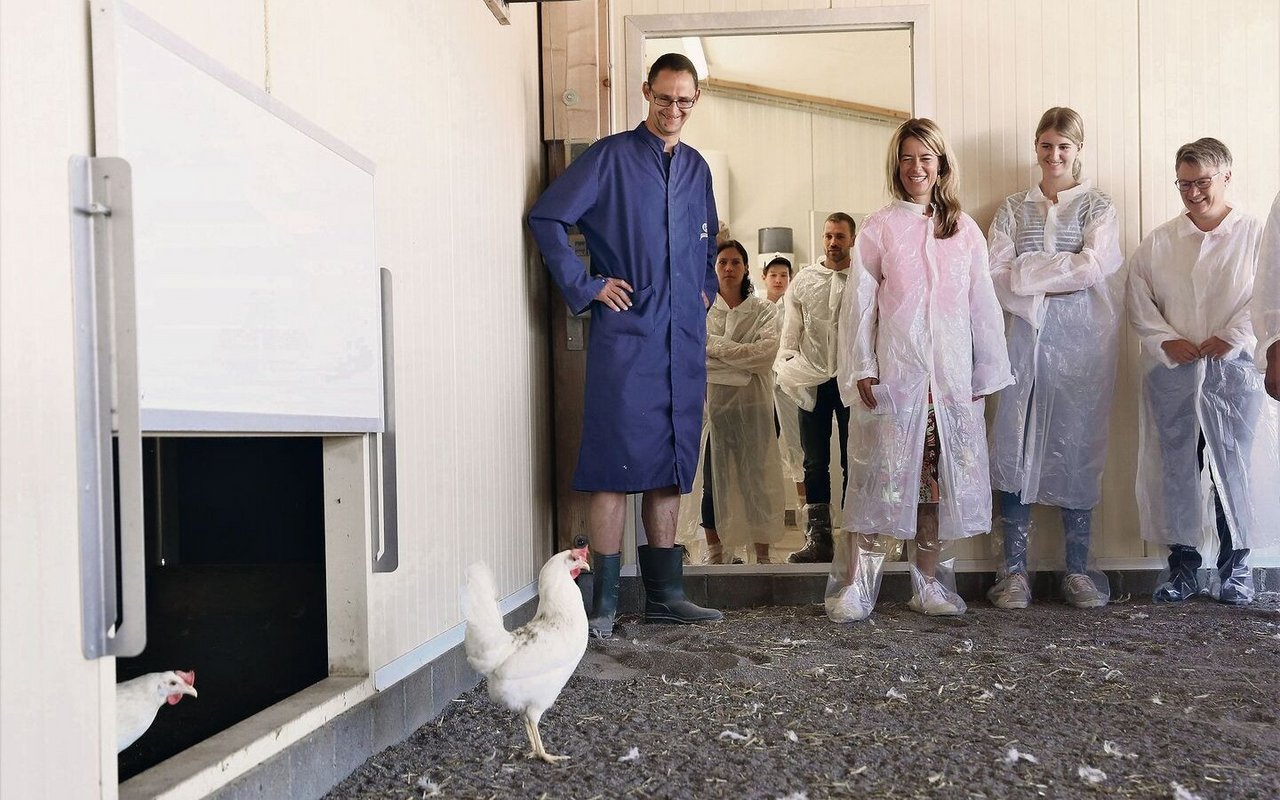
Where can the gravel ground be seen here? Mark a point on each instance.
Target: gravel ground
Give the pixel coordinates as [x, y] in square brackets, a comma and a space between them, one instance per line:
[1132, 700]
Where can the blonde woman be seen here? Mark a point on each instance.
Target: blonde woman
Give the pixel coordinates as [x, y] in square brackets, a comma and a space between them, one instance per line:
[921, 342]
[1058, 271]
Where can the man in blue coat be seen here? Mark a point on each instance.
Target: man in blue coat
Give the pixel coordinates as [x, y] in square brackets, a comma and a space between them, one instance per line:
[643, 201]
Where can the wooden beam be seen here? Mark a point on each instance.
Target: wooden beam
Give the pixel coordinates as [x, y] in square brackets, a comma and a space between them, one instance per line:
[810, 99]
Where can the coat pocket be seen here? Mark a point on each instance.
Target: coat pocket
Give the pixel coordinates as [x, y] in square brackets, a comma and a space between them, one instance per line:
[635, 321]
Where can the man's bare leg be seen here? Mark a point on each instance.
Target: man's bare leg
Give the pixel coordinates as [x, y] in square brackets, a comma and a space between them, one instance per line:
[658, 511]
[606, 517]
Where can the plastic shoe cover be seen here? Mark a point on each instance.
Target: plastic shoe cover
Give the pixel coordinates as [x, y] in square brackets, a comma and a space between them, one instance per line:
[936, 600]
[1236, 591]
[848, 606]
[1011, 591]
[1079, 590]
[1178, 589]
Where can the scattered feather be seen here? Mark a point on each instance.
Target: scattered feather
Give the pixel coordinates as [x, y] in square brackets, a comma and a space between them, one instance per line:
[1181, 792]
[1013, 756]
[985, 696]
[1139, 615]
[632, 755]
[1091, 775]
[1112, 675]
[907, 679]
[894, 694]
[791, 736]
[735, 736]
[795, 796]
[964, 647]
[935, 777]
[429, 788]
[1157, 700]
[1112, 749]
[676, 682]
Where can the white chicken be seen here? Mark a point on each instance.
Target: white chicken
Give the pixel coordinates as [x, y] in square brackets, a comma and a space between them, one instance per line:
[526, 668]
[138, 701]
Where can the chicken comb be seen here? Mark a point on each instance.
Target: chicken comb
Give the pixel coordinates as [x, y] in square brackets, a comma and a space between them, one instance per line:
[189, 678]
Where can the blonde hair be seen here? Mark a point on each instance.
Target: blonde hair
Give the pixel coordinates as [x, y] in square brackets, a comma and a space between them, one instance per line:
[946, 192]
[1066, 122]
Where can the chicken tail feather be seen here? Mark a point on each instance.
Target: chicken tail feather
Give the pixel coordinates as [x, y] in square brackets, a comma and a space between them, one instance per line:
[487, 642]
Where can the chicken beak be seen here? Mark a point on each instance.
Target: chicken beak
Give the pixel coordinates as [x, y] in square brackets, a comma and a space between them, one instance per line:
[582, 558]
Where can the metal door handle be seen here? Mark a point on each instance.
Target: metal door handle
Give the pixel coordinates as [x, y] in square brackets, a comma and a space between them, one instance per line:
[386, 547]
[106, 358]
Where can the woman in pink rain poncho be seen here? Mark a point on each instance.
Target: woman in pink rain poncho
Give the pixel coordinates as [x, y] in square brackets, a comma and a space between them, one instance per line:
[921, 343]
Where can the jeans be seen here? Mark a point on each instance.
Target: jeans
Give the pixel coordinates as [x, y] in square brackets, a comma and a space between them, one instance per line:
[1015, 519]
[815, 440]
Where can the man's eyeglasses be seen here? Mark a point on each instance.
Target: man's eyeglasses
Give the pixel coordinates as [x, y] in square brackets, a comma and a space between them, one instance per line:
[664, 101]
[1202, 184]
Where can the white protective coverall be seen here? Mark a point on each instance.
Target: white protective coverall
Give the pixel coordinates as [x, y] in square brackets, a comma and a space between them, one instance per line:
[1188, 284]
[1265, 310]
[1057, 270]
[746, 469]
[923, 318]
[788, 417]
[807, 352]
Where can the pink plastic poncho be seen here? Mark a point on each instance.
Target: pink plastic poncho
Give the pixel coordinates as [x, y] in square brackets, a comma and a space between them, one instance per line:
[923, 319]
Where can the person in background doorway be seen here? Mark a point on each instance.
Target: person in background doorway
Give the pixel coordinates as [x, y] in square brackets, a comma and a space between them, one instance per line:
[806, 371]
[1057, 269]
[742, 499]
[1190, 284]
[777, 277]
[921, 343]
[1266, 303]
[644, 202]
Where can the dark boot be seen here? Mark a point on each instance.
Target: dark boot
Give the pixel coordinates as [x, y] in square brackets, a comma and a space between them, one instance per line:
[1235, 578]
[605, 572]
[663, 577]
[1182, 584]
[817, 535]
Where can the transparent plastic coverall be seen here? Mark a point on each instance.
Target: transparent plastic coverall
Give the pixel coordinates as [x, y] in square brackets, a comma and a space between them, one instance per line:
[1208, 459]
[1058, 271]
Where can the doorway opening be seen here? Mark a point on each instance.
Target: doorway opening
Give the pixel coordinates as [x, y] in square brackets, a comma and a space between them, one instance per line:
[235, 546]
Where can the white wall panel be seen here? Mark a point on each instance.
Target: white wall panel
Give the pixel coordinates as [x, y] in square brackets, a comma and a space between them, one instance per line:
[454, 130]
[52, 739]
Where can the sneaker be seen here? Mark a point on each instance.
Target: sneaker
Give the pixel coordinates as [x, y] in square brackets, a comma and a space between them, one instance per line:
[1178, 589]
[1079, 590]
[847, 606]
[936, 600]
[1011, 591]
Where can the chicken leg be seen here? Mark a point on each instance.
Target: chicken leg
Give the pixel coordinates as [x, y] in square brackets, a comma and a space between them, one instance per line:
[535, 739]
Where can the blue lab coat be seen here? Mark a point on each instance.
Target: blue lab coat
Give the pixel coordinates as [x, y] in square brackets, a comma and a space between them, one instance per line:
[652, 224]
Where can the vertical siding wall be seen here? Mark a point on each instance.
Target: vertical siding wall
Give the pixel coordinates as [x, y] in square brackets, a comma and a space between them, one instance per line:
[51, 743]
[446, 102]
[1147, 76]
